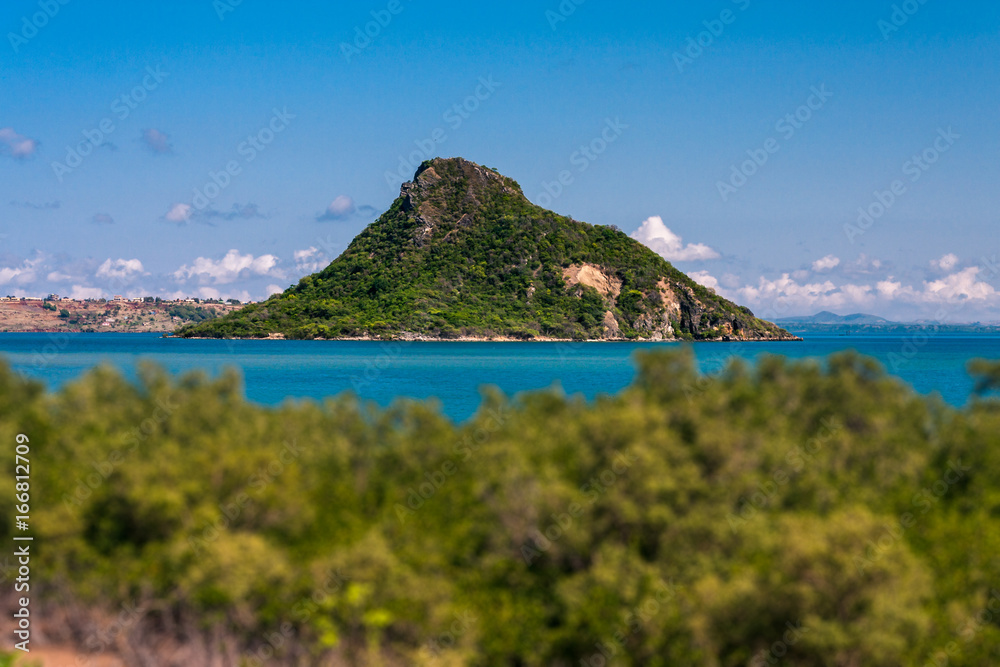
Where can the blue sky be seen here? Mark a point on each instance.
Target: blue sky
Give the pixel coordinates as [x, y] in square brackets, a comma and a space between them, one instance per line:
[242, 146]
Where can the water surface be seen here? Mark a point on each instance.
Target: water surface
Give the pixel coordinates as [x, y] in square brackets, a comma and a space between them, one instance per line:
[453, 372]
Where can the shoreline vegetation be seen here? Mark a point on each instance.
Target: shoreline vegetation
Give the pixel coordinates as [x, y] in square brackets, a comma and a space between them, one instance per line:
[500, 339]
[688, 519]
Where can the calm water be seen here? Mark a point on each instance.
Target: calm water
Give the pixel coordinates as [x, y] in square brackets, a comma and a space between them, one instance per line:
[453, 372]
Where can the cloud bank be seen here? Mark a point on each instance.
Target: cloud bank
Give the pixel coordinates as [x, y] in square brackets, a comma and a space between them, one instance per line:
[657, 237]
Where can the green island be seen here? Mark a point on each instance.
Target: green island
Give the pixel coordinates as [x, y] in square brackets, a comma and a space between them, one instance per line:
[462, 254]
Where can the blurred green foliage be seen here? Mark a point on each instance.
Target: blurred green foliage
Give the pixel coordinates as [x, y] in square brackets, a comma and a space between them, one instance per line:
[986, 374]
[801, 513]
[14, 660]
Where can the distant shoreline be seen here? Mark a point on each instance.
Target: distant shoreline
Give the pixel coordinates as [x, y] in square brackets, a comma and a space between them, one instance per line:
[63, 315]
[467, 339]
[162, 334]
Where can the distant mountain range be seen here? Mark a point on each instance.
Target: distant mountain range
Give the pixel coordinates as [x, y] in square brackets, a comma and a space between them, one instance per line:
[826, 317]
[827, 322]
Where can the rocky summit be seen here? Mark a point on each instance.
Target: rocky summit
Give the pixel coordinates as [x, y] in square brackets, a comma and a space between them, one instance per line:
[462, 254]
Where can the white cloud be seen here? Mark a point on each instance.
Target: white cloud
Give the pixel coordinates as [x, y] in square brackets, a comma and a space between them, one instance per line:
[888, 288]
[730, 280]
[961, 285]
[182, 213]
[274, 289]
[856, 294]
[247, 211]
[9, 273]
[81, 292]
[788, 296]
[310, 260]
[863, 264]
[658, 237]
[704, 278]
[303, 255]
[826, 263]
[16, 145]
[119, 269]
[229, 268]
[179, 213]
[21, 275]
[341, 207]
[946, 263]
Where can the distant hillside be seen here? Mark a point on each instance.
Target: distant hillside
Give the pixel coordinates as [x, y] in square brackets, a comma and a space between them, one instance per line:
[830, 323]
[105, 316]
[826, 317]
[463, 254]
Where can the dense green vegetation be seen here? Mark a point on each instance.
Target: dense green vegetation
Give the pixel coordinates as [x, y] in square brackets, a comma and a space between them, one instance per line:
[462, 252]
[191, 313]
[823, 515]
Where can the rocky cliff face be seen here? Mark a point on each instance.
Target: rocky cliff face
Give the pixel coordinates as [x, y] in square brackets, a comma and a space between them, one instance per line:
[676, 303]
[463, 253]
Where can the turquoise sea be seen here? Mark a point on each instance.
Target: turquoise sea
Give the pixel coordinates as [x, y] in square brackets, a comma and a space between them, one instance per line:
[453, 372]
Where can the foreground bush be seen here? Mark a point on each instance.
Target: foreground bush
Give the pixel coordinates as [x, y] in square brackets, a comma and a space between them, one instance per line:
[786, 513]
